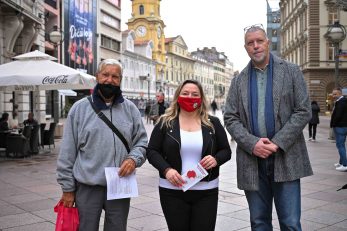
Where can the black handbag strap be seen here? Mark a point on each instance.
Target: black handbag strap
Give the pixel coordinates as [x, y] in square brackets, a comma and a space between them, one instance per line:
[109, 123]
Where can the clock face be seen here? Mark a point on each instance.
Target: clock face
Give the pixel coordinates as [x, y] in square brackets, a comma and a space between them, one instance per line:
[158, 31]
[141, 31]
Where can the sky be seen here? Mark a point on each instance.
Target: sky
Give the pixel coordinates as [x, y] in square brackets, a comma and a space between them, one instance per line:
[217, 23]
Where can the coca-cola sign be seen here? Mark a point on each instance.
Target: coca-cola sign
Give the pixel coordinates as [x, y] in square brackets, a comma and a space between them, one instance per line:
[55, 79]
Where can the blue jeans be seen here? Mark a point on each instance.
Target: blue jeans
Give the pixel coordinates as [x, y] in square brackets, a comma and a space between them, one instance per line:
[286, 195]
[340, 137]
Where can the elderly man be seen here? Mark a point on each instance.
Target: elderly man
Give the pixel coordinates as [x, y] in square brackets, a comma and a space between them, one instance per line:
[267, 109]
[158, 108]
[89, 145]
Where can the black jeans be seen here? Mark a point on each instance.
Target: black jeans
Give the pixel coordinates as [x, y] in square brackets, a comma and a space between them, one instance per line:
[312, 128]
[193, 210]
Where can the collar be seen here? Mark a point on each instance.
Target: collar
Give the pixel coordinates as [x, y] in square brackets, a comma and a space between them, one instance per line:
[100, 103]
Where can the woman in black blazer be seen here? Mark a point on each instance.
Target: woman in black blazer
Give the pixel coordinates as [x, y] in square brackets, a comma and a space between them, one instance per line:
[183, 137]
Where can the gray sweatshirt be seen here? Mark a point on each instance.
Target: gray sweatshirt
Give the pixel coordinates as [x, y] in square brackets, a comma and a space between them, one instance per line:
[89, 145]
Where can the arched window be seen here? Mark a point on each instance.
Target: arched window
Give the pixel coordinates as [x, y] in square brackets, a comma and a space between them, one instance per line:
[142, 9]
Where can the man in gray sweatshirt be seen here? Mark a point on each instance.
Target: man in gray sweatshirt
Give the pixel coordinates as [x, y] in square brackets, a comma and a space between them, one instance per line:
[89, 145]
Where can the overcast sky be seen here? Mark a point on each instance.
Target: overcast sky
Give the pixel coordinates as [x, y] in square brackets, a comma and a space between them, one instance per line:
[217, 23]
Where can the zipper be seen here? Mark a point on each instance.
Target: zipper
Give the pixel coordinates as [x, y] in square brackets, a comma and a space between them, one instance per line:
[210, 171]
[179, 145]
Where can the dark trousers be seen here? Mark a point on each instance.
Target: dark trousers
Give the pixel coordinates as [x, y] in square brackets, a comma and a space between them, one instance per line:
[193, 210]
[91, 200]
[312, 128]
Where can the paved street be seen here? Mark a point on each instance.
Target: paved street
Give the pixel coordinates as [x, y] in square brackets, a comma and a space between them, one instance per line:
[28, 193]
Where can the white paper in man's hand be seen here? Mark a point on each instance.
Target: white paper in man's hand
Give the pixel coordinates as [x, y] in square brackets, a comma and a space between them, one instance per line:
[120, 187]
[193, 176]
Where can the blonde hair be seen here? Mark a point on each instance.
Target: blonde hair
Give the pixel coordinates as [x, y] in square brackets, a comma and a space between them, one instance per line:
[172, 112]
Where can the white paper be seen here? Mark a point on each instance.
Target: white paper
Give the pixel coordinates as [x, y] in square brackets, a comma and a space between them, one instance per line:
[193, 176]
[120, 187]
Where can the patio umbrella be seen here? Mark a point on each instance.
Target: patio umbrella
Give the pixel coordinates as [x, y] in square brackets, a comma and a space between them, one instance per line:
[35, 71]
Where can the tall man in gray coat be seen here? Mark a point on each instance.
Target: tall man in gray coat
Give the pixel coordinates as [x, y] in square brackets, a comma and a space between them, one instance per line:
[267, 109]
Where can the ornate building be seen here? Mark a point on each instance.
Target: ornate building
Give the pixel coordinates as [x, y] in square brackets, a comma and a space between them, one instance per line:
[21, 30]
[304, 24]
[148, 25]
[180, 65]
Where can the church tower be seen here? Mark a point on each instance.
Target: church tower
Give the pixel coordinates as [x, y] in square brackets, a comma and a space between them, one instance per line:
[147, 24]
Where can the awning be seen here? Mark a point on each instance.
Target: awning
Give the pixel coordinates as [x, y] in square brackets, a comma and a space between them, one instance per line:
[67, 92]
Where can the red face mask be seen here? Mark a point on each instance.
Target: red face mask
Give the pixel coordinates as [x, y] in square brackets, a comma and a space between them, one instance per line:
[189, 104]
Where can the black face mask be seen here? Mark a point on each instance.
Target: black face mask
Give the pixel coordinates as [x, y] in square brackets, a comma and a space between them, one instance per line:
[109, 90]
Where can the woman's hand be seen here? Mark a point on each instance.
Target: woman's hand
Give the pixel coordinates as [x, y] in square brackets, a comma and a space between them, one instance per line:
[208, 162]
[174, 177]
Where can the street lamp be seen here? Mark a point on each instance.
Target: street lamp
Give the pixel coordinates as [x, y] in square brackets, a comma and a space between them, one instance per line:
[148, 79]
[336, 33]
[55, 37]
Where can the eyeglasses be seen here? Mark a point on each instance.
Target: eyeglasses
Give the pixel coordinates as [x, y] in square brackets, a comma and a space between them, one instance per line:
[254, 27]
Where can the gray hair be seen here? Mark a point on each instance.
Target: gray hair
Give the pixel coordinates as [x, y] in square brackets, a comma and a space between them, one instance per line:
[254, 29]
[106, 62]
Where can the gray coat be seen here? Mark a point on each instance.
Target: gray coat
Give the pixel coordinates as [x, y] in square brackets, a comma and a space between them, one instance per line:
[292, 111]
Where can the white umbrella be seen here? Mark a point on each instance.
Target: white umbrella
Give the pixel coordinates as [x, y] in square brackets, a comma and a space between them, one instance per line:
[35, 55]
[31, 73]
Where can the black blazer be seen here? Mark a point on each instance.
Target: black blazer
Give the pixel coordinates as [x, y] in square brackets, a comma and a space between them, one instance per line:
[339, 116]
[164, 147]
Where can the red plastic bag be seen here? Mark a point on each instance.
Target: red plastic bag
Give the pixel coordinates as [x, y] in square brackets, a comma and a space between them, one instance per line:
[67, 218]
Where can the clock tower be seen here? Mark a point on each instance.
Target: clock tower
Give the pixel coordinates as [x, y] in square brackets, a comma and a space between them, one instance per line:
[147, 24]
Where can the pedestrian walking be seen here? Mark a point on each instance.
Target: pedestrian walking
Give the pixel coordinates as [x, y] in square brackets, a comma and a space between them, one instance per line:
[214, 107]
[142, 106]
[183, 137]
[312, 125]
[90, 144]
[339, 124]
[267, 109]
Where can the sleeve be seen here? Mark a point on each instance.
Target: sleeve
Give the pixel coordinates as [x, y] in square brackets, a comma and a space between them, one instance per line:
[233, 121]
[300, 112]
[139, 139]
[155, 150]
[68, 154]
[223, 153]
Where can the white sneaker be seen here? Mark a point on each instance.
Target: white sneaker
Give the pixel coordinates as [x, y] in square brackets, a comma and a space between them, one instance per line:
[313, 140]
[341, 168]
[337, 165]
[309, 139]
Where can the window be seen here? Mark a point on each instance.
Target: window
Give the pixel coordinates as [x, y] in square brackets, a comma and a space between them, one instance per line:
[332, 17]
[141, 9]
[331, 53]
[109, 43]
[114, 2]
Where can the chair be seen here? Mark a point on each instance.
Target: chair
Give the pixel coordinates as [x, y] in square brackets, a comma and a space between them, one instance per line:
[34, 139]
[3, 144]
[18, 145]
[42, 133]
[27, 132]
[48, 136]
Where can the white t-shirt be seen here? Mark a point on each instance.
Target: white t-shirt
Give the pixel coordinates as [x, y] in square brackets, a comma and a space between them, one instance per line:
[191, 148]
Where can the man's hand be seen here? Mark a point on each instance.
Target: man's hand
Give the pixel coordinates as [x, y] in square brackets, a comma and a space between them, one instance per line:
[127, 167]
[68, 199]
[264, 148]
[174, 177]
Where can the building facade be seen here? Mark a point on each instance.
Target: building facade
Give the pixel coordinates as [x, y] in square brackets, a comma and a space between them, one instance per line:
[22, 28]
[273, 16]
[148, 25]
[304, 24]
[138, 67]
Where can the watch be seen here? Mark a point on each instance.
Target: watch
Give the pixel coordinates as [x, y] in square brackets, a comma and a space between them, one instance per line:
[141, 31]
[158, 31]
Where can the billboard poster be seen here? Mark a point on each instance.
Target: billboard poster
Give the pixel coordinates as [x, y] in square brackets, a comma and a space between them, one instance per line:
[80, 30]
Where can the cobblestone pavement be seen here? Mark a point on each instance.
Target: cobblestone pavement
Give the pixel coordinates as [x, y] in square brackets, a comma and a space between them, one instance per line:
[28, 193]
